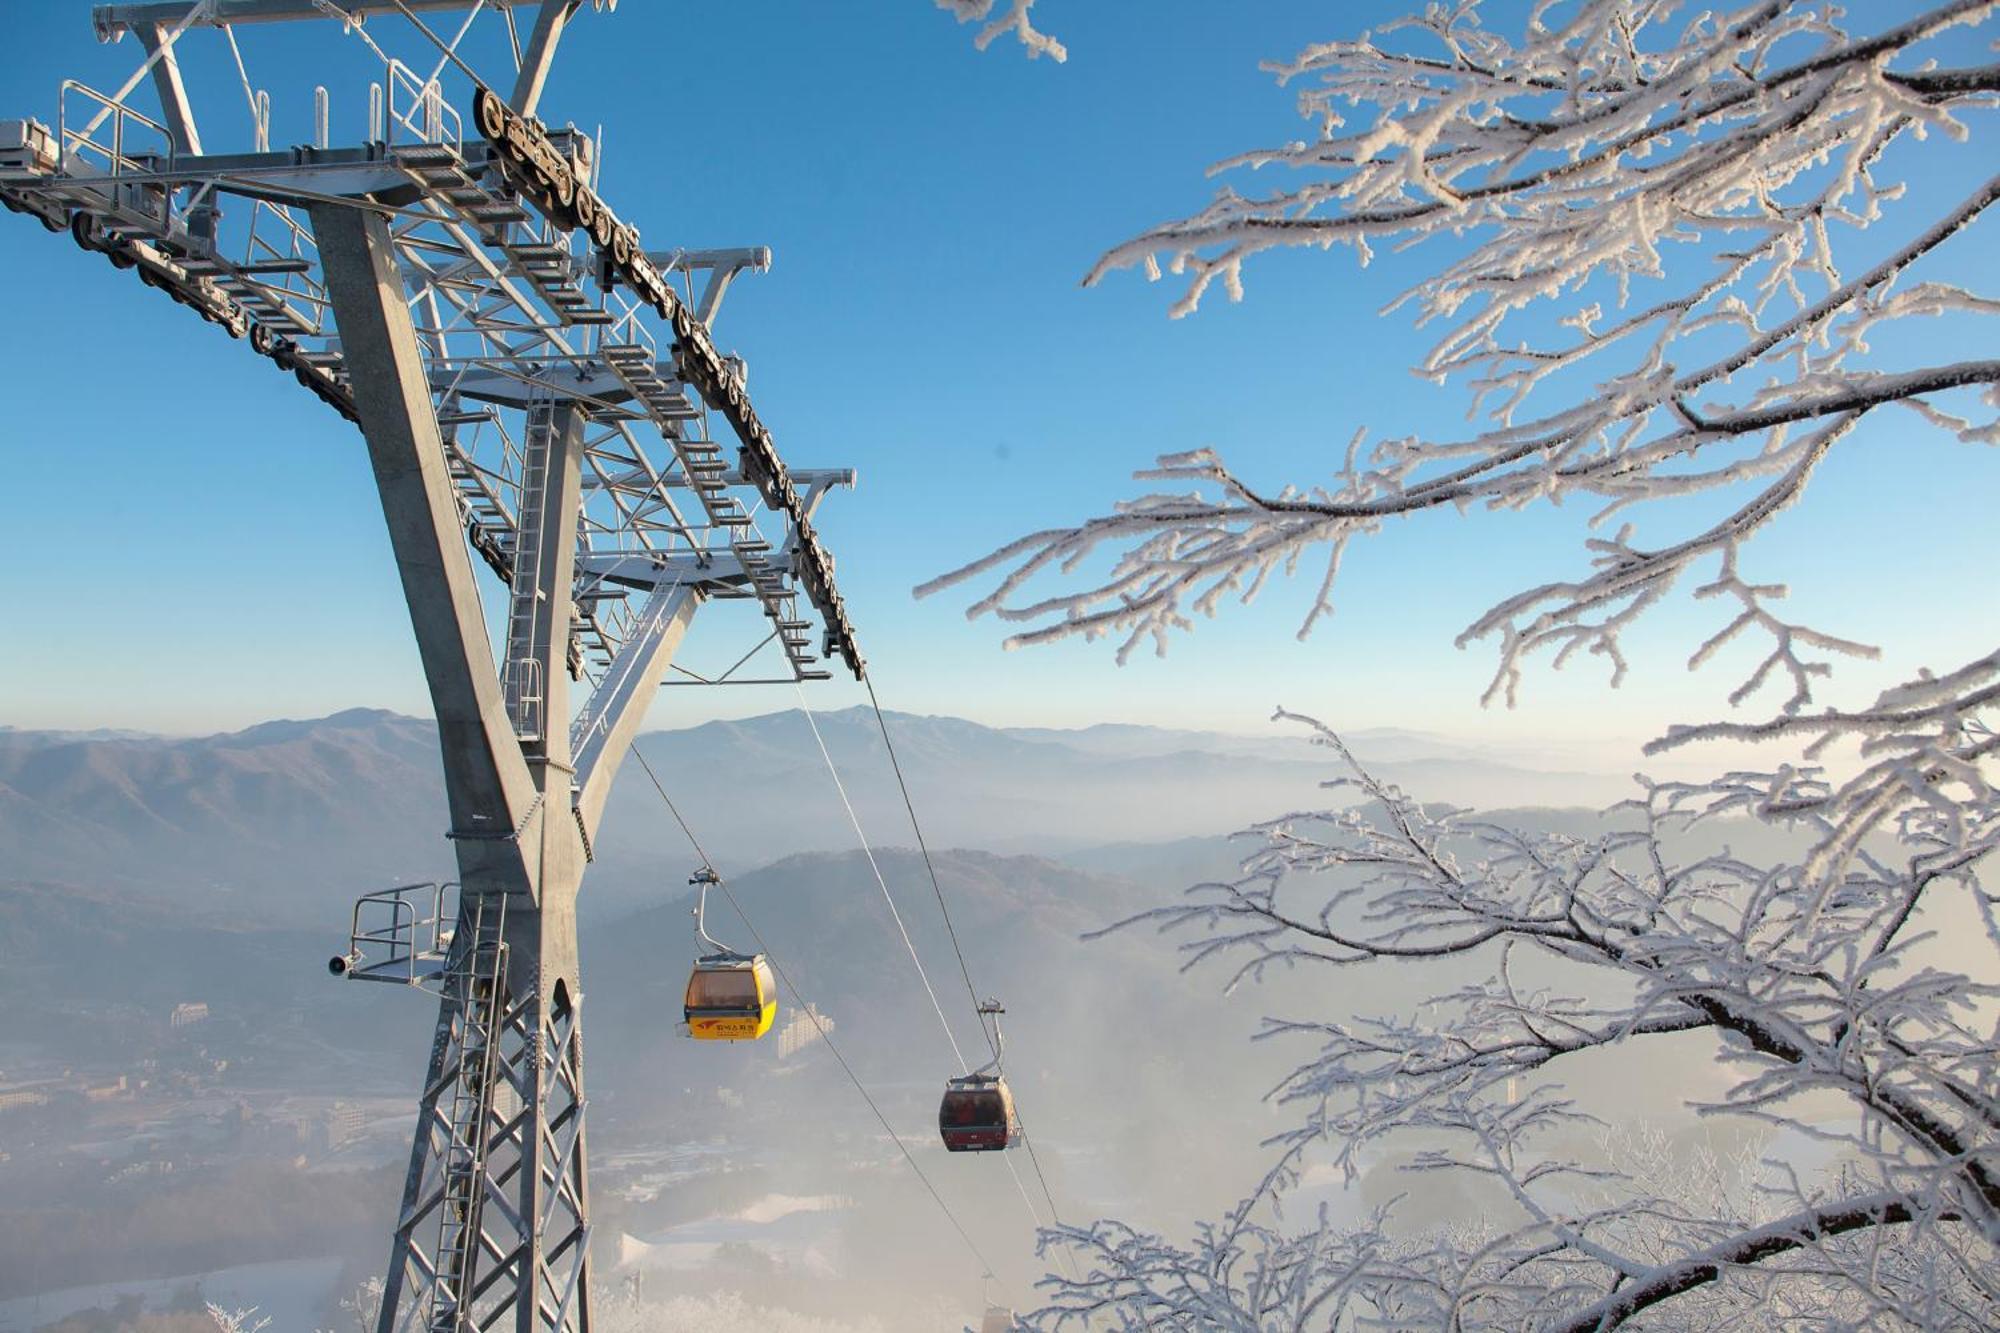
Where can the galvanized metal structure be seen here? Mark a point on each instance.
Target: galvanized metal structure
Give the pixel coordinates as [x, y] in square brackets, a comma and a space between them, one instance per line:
[538, 393]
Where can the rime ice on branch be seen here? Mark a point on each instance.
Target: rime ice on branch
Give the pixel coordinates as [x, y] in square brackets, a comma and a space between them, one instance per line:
[1015, 20]
[1597, 942]
[1697, 177]
[1651, 280]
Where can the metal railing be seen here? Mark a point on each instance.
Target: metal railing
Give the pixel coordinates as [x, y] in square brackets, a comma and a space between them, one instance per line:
[80, 147]
[419, 108]
[401, 935]
[521, 684]
[84, 152]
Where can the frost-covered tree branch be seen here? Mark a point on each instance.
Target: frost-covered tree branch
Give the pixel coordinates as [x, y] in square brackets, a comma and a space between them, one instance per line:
[1678, 269]
[1014, 20]
[1595, 943]
[1649, 296]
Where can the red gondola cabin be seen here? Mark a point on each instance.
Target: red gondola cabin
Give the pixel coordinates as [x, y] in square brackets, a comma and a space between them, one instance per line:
[977, 1114]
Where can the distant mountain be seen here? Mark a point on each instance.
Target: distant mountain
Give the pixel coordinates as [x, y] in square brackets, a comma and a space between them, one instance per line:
[1171, 865]
[288, 820]
[1121, 1059]
[91, 734]
[1381, 744]
[90, 976]
[256, 820]
[760, 782]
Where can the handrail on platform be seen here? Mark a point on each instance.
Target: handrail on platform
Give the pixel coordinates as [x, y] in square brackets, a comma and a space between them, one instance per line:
[114, 159]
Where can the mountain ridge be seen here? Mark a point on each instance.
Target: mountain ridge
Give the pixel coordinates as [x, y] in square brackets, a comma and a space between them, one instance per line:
[278, 817]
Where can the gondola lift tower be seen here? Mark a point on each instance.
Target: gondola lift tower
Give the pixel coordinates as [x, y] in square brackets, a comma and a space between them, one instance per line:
[544, 407]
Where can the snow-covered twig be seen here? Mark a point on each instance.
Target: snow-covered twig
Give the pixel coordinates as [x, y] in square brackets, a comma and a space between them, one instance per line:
[1652, 286]
[1698, 177]
[1015, 20]
[1594, 943]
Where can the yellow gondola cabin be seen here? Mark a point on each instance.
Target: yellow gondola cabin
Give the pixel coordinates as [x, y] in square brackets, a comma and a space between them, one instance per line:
[730, 997]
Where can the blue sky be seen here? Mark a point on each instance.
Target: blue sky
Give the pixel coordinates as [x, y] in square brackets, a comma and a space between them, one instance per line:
[189, 543]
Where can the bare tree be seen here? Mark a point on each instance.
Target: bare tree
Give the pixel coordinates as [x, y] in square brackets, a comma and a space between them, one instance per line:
[1653, 296]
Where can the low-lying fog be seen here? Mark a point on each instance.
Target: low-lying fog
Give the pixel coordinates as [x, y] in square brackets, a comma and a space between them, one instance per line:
[191, 1109]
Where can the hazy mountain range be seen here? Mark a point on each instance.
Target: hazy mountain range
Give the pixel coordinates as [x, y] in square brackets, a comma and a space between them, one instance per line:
[275, 818]
[1098, 1030]
[140, 872]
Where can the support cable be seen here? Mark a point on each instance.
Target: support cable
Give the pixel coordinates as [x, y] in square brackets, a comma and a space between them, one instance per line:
[882, 883]
[513, 37]
[806, 1009]
[923, 845]
[869, 852]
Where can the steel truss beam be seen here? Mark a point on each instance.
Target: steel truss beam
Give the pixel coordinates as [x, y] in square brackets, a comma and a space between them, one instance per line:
[497, 333]
[112, 20]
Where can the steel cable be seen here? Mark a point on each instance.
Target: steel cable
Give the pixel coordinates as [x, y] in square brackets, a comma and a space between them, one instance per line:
[799, 1000]
[992, 1041]
[869, 852]
[909, 806]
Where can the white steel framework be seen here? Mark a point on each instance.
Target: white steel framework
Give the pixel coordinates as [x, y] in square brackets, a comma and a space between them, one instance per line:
[543, 405]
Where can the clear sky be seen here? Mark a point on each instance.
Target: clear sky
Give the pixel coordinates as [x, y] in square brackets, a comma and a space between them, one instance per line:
[189, 543]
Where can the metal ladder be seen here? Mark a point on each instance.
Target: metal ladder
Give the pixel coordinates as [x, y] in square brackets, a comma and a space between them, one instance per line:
[523, 683]
[479, 981]
[548, 265]
[710, 477]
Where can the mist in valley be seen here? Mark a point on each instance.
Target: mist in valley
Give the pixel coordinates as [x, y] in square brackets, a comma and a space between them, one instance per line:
[196, 1096]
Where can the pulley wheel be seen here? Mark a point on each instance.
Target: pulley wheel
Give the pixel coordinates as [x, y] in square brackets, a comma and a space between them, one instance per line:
[562, 186]
[86, 230]
[491, 114]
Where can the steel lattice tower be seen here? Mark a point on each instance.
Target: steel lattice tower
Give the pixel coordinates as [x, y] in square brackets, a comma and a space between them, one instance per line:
[536, 391]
